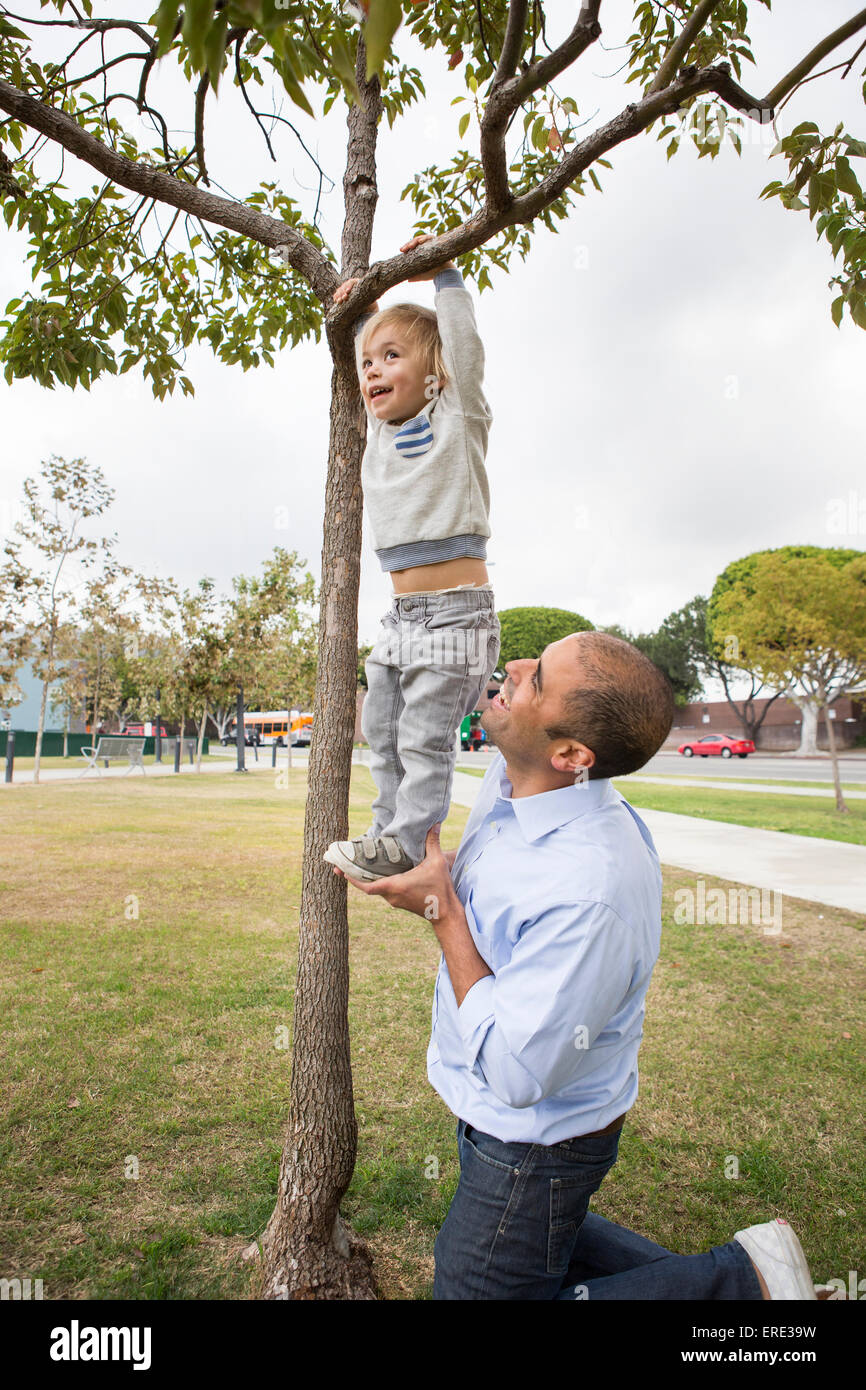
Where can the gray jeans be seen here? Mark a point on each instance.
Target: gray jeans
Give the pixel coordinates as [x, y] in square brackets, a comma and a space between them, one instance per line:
[432, 660]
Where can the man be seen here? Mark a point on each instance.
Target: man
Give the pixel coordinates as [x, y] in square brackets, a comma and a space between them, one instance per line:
[549, 918]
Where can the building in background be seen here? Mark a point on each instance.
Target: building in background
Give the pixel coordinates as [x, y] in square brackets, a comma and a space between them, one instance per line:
[780, 731]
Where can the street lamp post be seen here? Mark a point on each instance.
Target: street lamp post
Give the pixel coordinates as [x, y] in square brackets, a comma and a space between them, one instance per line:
[239, 711]
[157, 736]
[157, 741]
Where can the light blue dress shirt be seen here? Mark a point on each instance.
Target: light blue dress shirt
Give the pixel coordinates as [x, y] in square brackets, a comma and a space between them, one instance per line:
[562, 895]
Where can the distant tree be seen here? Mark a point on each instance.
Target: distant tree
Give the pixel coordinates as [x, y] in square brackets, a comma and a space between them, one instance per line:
[363, 653]
[527, 631]
[798, 617]
[672, 648]
[94, 650]
[46, 558]
[261, 620]
[711, 663]
[14, 640]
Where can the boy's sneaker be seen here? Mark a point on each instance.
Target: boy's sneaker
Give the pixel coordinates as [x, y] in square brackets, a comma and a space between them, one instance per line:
[369, 859]
[778, 1256]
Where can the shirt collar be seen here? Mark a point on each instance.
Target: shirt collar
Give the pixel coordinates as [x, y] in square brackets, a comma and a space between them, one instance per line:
[538, 815]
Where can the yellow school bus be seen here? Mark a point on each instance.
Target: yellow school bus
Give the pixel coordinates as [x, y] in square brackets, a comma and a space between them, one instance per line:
[272, 726]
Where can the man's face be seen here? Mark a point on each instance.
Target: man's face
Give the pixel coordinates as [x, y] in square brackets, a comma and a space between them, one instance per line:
[392, 377]
[532, 699]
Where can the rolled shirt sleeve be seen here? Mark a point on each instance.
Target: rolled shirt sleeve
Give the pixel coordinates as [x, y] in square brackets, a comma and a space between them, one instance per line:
[527, 1031]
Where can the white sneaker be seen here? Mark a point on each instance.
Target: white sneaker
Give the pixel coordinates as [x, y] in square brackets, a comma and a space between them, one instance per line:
[778, 1256]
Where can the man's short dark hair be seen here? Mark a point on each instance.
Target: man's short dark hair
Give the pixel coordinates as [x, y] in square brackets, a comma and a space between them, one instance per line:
[623, 708]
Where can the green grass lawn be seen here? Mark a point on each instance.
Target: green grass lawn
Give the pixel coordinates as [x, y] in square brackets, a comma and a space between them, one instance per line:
[797, 815]
[147, 973]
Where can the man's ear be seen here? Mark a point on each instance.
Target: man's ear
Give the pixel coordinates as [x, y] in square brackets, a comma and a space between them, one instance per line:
[571, 757]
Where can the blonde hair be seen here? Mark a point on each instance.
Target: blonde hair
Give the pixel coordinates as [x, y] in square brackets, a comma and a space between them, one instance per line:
[421, 328]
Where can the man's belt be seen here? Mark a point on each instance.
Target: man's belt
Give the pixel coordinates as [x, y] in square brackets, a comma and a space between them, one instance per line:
[608, 1129]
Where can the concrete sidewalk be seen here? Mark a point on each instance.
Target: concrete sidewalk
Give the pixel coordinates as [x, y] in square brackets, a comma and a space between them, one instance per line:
[821, 871]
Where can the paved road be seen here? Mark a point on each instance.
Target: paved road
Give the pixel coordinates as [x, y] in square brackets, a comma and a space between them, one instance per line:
[767, 767]
[822, 871]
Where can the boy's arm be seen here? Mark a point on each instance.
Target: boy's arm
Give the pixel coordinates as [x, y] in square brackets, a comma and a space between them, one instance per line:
[462, 347]
[342, 293]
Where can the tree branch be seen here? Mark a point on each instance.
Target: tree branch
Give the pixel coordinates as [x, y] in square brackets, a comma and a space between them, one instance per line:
[796, 75]
[201, 94]
[514, 32]
[359, 181]
[505, 97]
[301, 254]
[478, 229]
[681, 45]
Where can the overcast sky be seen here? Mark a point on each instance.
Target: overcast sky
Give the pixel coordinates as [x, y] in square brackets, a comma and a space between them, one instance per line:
[667, 386]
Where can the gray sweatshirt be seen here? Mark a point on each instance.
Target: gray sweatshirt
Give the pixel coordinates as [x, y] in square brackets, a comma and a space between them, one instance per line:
[425, 484]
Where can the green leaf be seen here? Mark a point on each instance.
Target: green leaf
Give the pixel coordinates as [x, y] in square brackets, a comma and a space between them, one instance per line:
[383, 21]
[197, 17]
[166, 19]
[857, 306]
[464, 123]
[837, 308]
[344, 64]
[215, 48]
[846, 179]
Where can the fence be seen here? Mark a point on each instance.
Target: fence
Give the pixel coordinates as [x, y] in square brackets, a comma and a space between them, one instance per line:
[52, 744]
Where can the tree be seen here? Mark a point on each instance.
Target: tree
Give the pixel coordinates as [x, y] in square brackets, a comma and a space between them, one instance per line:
[13, 652]
[114, 294]
[709, 657]
[672, 648]
[798, 616]
[97, 646]
[527, 631]
[262, 622]
[50, 536]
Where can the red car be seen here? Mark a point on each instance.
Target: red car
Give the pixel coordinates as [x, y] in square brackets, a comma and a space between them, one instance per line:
[715, 745]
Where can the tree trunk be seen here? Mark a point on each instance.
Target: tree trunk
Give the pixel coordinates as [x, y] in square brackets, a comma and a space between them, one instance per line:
[96, 692]
[220, 719]
[41, 729]
[200, 743]
[831, 739]
[809, 709]
[308, 1251]
[49, 676]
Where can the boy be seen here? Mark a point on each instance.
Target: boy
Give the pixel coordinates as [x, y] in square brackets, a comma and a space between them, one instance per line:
[427, 499]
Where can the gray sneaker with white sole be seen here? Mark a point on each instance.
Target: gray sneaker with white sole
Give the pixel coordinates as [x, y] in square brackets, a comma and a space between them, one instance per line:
[368, 859]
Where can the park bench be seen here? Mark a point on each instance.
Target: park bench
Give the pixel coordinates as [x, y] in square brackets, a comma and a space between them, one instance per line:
[107, 748]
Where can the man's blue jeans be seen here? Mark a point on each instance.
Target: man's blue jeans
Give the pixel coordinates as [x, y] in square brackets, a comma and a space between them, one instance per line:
[518, 1228]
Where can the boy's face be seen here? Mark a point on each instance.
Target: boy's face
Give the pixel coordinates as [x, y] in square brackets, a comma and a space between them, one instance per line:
[392, 377]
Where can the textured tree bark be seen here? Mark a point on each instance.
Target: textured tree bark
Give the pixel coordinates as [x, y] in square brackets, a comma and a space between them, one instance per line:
[808, 708]
[841, 805]
[308, 1251]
